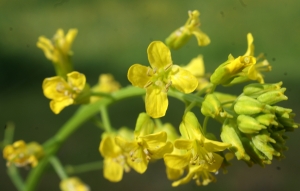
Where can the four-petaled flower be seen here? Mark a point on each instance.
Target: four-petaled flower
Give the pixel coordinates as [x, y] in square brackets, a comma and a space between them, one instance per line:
[199, 157]
[58, 50]
[158, 79]
[179, 37]
[22, 154]
[64, 93]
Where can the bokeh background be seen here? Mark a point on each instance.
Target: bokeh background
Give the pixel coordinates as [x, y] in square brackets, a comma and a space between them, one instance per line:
[114, 34]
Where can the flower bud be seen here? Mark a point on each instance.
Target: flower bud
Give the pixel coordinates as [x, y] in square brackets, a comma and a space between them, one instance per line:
[256, 89]
[256, 157]
[272, 97]
[178, 38]
[248, 124]
[211, 106]
[262, 143]
[189, 127]
[144, 125]
[250, 106]
[266, 119]
[230, 135]
[283, 112]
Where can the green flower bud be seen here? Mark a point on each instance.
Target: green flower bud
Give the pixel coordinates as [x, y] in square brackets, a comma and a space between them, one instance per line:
[250, 106]
[211, 106]
[248, 124]
[256, 157]
[272, 97]
[266, 119]
[230, 135]
[283, 112]
[256, 89]
[262, 143]
[178, 38]
[288, 123]
[144, 125]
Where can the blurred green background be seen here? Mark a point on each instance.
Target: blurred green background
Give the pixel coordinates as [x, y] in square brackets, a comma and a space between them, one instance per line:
[114, 34]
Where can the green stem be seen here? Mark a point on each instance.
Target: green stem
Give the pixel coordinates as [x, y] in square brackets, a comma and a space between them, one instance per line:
[58, 167]
[83, 114]
[8, 134]
[13, 173]
[101, 94]
[105, 118]
[98, 165]
[205, 124]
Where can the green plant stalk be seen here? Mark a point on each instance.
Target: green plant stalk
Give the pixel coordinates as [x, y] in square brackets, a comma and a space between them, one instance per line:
[83, 114]
[58, 167]
[98, 165]
[105, 118]
[13, 173]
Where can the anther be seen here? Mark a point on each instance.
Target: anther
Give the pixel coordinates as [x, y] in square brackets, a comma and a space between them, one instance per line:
[149, 83]
[148, 72]
[168, 85]
[168, 66]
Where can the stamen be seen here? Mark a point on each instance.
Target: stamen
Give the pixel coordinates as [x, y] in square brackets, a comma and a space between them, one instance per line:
[168, 85]
[168, 66]
[148, 72]
[149, 83]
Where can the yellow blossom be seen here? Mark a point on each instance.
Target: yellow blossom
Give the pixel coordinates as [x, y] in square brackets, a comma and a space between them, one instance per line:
[196, 67]
[106, 84]
[22, 154]
[179, 37]
[115, 161]
[73, 184]
[200, 153]
[64, 93]
[58, 50]
[158, 79]
[146, 144]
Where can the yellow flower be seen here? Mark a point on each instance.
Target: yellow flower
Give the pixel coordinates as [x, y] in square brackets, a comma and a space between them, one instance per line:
[158, 79]
[115, 161]
[200, 152]
[196, 67]
[146, 144]
[64, 93]
[73, 184]
[179, 37]
[22, 154]
[106, 84]
[253, 72]
[58, 50]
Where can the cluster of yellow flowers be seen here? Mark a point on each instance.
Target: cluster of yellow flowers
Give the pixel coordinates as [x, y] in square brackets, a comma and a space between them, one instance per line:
[253, 126]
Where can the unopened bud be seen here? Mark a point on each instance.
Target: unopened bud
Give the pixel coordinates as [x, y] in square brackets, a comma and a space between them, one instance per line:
[230, 135]
[261, 142]
[266, 119]
[178, 38]
[256, 89]
[272, 97]
[283, 112]
[248, 124]
[211, 106]
[249, 106]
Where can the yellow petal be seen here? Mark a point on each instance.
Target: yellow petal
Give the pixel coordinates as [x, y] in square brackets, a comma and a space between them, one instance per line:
[156, 102]
[47, 46]
[154, 139]
[215, 146]
[52, 85]
[173, 174]
[159, 151]
[70, 36]
[108, 147]
[159, 55]
[177, 161]
[196, 66]
[138, 161]
[144, 125]
[112, 171]
[214, 167]
[125, 145]
[190, 127]
[183, 144]
[250, 50]
[76, 79]
[183, 80]
[137, 75]
[202, 38]
[58, 105]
